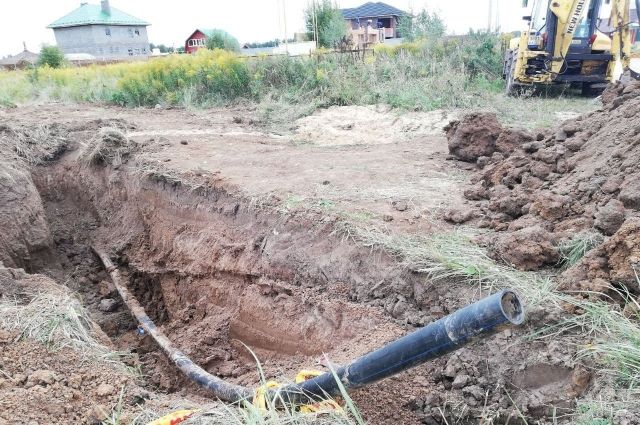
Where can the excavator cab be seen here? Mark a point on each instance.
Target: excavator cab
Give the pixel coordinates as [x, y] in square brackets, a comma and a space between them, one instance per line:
[569, 42]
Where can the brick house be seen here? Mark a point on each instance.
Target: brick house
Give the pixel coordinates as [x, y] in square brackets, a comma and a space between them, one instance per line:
[372, 23]
[102, 31]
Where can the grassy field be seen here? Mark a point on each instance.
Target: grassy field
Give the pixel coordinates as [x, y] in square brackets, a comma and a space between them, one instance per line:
[454, 74]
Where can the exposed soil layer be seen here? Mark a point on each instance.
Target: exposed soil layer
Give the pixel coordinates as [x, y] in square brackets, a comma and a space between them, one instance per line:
[549, 190]
[217, 270]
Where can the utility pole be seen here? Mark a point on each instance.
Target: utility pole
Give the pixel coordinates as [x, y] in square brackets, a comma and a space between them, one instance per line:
[490, 16]
[279, 21]
[286, 37]
[314, 21]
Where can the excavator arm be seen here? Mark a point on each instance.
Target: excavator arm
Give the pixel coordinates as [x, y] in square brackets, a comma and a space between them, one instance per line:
[569, 14]
[621, 38]
[562, 54]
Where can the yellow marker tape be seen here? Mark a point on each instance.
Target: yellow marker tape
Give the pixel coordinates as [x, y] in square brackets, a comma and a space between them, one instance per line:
[306, 374]
[174, 418]
[260, 399]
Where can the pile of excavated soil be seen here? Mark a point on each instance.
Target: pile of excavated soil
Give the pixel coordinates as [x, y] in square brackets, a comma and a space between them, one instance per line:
[541, 190]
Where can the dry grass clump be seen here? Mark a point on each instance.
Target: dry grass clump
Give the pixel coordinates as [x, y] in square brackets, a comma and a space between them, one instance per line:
[39, 309]
[110, 146]
[35, 144]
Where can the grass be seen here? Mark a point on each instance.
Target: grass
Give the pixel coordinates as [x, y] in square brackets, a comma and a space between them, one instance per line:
[115, 417]
[574, 249]
[54, 317]
[35, 144]
[456, 74]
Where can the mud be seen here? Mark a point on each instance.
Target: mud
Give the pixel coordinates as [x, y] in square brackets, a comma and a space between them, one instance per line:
[217, 271]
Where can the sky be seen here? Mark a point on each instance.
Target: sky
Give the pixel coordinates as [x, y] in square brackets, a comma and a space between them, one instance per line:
[248, 20]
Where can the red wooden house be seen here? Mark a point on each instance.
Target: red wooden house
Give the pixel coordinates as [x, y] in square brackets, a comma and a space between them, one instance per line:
[197, 40]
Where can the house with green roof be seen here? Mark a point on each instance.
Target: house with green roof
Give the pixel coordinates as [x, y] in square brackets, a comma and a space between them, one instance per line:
[102, 31]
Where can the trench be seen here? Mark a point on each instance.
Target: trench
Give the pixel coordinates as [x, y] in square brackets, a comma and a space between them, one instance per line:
[226, 281]
[223, 281]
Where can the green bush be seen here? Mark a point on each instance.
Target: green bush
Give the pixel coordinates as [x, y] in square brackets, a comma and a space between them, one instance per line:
[51, 56]
[219, 39]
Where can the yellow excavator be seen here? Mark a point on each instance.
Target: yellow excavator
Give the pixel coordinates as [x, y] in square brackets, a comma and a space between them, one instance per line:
[568, 42]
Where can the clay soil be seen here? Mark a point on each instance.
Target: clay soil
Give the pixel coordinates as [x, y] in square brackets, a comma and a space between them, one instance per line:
[229, 235]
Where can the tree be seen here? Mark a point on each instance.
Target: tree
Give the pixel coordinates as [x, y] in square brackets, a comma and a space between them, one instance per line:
[327, 18]
[51, 56]
[162, 48]
[219, 39]
[424, 25]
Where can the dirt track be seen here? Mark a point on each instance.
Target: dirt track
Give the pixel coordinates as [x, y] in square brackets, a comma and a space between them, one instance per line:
[228, 234]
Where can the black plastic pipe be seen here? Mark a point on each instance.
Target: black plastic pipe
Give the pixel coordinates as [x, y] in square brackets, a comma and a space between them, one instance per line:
[436, 339]
[221, 389]
[477, 320]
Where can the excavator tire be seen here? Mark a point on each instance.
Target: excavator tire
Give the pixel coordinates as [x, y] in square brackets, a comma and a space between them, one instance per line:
[512, 87]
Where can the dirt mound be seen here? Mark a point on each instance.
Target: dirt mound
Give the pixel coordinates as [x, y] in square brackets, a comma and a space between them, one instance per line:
[479, 135]
[544, 193]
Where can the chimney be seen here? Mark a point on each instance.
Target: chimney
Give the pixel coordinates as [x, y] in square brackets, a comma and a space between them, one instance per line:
[106, 9]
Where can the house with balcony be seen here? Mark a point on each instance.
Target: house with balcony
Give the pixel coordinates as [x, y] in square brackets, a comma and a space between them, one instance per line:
[372, 23]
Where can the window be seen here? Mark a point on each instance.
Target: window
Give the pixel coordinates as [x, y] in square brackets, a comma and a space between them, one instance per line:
[130, 52]
[144, 51]
[107, 32]
[137, 32]
[137, 51]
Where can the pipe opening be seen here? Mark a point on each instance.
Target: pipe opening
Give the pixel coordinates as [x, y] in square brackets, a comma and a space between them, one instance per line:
[512, 307]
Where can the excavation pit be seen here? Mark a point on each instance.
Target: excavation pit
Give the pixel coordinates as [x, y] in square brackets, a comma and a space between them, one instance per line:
[227, 274]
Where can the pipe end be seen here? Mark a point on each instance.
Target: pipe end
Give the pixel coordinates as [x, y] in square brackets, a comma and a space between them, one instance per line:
[512, 307]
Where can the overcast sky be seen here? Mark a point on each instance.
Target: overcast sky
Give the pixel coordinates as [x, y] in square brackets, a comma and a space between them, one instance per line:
[248, 20]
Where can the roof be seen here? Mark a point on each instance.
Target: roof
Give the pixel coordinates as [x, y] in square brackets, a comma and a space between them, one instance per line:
[23, 57]
[92, 14]
[371, 10]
